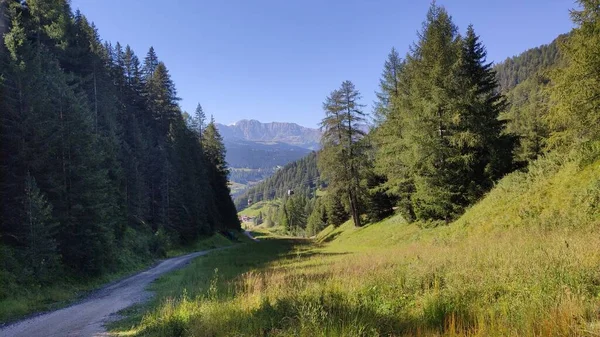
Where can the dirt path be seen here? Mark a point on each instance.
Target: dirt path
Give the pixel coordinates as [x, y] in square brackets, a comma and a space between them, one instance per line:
[87, 318]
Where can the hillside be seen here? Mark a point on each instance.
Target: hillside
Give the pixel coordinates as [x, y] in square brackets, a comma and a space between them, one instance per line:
[524, 80]
[515, 70]
[518, 263]
[300, 176]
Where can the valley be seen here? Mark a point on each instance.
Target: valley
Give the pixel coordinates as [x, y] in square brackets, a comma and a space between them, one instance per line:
[452, 187]
[256, 150]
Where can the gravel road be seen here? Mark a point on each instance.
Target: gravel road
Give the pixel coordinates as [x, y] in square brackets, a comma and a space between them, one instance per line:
[87, 317]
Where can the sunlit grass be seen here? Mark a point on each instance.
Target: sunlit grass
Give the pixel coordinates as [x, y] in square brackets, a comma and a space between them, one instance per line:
[258, 207]
[523, 262]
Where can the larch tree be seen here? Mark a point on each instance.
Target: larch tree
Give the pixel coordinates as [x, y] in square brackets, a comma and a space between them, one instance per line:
[341, 160]
[575, 95]
[389, 86]
[421, 128]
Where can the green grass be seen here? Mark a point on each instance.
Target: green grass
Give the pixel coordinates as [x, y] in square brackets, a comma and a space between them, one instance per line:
[522, 262]
[22, 301]
[208, 281]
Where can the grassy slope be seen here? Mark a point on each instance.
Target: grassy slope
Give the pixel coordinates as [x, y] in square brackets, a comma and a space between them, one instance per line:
[27, 301]
[523, 262]
[256, 208]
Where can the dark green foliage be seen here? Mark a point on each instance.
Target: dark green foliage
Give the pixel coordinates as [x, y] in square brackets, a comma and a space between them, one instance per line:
[379, 204]
[317, 220]
[97, 163]
[442, 145]
[335, 211]
[525, 81]
[293, 213]
[218, 172]
[40, 248]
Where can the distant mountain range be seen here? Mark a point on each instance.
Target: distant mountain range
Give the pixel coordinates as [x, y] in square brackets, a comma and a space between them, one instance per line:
[255, 150]
[261, 155]
[288, 133]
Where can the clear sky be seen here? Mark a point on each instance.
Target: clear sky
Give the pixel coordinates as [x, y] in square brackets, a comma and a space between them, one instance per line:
[277, 60]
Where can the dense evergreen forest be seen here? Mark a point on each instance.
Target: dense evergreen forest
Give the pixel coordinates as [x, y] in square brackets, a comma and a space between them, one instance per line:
[99, 167]
[448, 125]
[517, 69]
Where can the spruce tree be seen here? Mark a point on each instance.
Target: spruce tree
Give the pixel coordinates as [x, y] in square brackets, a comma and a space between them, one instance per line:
[106, 143]
[214, 151]
[39, 230]
[484, 151]
[526, 118]
[442, 146]
[199, 120]
[150, 64]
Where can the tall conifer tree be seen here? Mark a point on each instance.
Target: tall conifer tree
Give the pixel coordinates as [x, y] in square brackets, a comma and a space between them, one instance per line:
[341, 160]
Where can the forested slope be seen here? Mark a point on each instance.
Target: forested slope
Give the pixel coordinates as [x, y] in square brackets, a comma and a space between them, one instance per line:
[99, 168]
[515, 70]
[301, 176]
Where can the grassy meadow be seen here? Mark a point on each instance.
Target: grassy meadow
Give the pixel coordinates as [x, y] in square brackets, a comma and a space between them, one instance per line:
[525, 261]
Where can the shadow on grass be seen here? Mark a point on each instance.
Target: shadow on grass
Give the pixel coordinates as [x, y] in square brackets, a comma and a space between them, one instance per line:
[328, 313]
[330, 237]
[219, 267]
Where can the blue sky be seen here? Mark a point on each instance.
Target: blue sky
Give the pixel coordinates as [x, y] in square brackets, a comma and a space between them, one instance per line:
[277, 60]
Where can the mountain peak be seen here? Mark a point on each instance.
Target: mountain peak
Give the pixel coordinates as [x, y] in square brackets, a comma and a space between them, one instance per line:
[283, 132]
